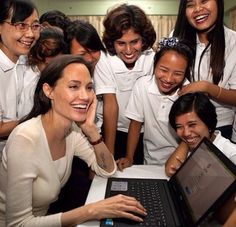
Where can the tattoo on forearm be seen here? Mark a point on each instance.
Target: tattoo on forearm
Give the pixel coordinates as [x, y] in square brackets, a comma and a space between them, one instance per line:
[103, 163]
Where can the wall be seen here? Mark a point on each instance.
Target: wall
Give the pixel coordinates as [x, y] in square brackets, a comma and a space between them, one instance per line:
[99, 7]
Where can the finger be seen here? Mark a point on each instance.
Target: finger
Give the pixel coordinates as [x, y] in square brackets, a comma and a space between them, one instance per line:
[179, 159]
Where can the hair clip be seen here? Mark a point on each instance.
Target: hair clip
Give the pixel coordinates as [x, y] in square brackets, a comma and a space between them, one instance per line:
[168, 42]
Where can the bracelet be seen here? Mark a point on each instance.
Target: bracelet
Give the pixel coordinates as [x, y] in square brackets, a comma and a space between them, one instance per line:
[97, 141]
[219, 93]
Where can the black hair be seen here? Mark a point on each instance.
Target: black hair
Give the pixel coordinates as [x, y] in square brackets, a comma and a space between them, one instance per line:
[50, 44]
[197, 102]
[181, 47]
[216, 38]
[16, 10]
[126, 17]
[85, 34]
[50, 75]
[55, 18]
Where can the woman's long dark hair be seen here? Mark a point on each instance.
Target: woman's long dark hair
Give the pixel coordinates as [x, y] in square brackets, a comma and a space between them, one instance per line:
[50, 75]
[216, 38]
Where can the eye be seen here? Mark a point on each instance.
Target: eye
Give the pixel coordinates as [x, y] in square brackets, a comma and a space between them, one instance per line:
[189, 4]
[163, 70]
[36, 27]
[21, 25]
[73, 87]
[90, 87]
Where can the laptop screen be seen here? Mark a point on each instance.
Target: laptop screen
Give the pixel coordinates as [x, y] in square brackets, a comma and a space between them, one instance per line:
[204, 177]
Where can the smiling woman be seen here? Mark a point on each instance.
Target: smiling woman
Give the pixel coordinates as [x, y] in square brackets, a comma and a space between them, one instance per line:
[39, 152]
[19, 30]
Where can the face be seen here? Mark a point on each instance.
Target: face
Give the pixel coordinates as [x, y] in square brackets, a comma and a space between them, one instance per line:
[73, 93]
[170, 72]
[88, 55]
[15, 42]
[129, 47]
[191, 129]
[201, 14]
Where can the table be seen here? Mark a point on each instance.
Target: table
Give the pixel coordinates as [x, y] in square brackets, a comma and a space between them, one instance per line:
[98, 186]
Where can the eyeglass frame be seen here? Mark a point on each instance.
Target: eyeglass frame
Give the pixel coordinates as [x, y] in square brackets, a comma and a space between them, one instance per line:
[26, 26]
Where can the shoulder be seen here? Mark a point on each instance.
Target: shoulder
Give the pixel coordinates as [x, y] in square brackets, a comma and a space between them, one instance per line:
[31, 130]
[230, 36]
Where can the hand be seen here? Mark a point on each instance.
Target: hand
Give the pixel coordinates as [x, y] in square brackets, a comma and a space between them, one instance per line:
[88, 125]
[123, 163]
[119, 206]
[201, 86]
[175, 166]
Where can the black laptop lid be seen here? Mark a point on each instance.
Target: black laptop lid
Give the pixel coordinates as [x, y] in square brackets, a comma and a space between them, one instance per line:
[204, 181]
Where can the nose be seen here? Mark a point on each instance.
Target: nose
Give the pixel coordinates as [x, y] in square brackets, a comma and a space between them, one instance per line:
[168, 77]
[29, 32]
[197, 7]
[186, 132]
[83, 94]
[128, 48]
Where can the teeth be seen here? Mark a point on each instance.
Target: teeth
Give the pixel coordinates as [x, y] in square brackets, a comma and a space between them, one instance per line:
[26, 43]
[201, 17]
[80, 106]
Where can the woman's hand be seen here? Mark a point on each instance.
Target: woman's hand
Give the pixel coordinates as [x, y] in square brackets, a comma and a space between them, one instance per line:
[88, 125]
[123, 163]
[119, 206]
[199, 86]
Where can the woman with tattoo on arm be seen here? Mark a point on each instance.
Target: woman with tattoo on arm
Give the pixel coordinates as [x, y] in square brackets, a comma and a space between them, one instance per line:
[38, 155]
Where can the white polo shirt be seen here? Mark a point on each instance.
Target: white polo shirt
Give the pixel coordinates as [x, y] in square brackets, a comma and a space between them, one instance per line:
[225, 113]
[11, 86]
[148, 105]
[112, 76]
[31, 77]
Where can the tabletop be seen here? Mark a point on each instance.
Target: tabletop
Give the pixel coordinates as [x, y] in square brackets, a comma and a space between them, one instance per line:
[98, 186]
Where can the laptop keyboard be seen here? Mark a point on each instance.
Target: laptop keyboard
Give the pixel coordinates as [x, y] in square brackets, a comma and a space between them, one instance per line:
[149, 196]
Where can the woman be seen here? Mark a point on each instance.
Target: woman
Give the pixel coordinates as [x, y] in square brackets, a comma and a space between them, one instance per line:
[20, 28]
[201, 22]
[49, 45]
[38, 156]
[151, 100]
[193, 117]
[83, 39]
[128, 36]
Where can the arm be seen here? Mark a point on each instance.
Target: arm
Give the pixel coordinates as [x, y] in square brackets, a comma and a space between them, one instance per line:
[103, 155]
[23, 177]
[113, 207]
[176, 159]
[110, 118]
[132, 141]
[219, 94]
[7, 127]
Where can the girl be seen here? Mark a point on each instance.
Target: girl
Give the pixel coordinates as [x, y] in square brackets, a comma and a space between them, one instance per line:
[38, 156]
[129, 36]
[19, 30]
[193, 117]
[151, 100]
[201, 22]
[83, 39]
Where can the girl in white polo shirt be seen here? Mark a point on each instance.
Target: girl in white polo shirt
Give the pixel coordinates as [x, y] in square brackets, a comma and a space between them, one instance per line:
[128, 37]
[151, 100]
[201, 22]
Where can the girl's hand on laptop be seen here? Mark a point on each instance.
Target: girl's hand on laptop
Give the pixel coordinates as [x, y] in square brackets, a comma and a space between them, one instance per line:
[119, 206]
[123, 163]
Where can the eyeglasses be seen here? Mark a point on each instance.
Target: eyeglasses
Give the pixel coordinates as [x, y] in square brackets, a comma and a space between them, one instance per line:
[23, 27]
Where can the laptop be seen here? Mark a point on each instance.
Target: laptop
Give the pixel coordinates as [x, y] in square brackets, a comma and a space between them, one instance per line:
[199, 187]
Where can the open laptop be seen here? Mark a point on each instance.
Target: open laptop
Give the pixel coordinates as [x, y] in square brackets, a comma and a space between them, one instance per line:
[200, 186]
